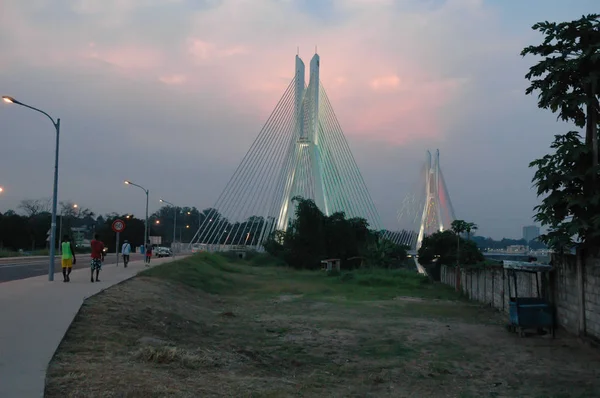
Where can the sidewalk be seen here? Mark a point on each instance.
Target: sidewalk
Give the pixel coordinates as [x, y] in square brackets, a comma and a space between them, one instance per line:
[34, 317]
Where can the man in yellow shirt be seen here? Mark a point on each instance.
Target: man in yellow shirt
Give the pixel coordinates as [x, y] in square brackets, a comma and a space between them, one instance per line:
[68, 258]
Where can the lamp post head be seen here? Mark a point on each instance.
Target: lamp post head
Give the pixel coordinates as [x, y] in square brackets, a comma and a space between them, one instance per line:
[9, 100]
[162, 201]
[158, 221]
[127, 182]
[75, 205]
[1, 189]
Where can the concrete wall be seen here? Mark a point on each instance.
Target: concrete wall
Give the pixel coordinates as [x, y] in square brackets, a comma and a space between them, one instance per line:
[578, 313]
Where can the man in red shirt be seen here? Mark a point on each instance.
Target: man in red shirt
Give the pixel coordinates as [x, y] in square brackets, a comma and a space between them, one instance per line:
[96, 264]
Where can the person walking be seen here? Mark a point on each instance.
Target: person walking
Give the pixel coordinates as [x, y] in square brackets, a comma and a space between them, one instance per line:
[148, 251]
[126, 250]
[68, 258]
[96, 263]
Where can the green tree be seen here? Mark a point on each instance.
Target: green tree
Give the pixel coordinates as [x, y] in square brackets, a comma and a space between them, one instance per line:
[571, 212]
[134, 231]
[441, 248]
[567, 76]
[567, 81]
[384, 253]
[470, 227]
[459, 227]
[312, 237]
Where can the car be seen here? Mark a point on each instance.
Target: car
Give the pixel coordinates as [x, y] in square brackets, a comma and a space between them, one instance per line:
[162, 252]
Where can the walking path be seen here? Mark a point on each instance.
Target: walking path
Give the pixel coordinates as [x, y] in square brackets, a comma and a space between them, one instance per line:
[34, 317]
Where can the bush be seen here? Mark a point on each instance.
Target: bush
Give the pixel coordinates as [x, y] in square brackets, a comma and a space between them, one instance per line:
[441, 247]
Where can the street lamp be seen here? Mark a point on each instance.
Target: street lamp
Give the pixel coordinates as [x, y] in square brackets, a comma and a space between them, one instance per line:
[1, 189]
[127, 182]
[61, 224]
[56, 125]
[174, 224]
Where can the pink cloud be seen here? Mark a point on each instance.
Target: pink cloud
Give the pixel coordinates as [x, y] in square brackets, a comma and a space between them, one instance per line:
[173, 79]
[200, 50]
[385, 83]
[128, 57]
[386, 80]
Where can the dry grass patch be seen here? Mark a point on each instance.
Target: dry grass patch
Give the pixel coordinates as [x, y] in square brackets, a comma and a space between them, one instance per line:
[235, 331]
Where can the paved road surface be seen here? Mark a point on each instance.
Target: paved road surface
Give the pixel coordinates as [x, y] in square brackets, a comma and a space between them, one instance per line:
[21, 268]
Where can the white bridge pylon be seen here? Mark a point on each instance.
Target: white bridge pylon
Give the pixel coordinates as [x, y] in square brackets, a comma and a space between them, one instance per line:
[427, 208]
[300, 151]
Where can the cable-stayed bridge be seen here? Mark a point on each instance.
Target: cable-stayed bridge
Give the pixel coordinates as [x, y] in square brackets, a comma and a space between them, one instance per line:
[301, 151]
[427, 207]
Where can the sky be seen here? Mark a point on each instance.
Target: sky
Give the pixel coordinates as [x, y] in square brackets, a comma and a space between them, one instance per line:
[171, 93]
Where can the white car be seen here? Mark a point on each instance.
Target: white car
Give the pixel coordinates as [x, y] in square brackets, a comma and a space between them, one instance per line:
[162, 252]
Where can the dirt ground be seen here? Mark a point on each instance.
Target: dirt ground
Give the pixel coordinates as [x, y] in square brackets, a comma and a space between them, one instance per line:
[152, 338]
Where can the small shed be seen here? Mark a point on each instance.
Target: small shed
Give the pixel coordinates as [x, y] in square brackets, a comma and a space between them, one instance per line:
[331, 264]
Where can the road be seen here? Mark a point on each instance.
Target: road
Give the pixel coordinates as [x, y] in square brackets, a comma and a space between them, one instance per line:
[21, 268]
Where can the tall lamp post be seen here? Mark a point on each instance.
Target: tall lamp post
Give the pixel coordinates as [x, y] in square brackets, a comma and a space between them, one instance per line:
[174, 224]
[56, 125]
[61, 224]
[145, 222]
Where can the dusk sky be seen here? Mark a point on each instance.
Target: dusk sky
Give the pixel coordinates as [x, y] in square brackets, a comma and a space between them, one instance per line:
[171, 94]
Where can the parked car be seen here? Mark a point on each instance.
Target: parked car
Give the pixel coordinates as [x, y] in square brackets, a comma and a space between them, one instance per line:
[162, 252]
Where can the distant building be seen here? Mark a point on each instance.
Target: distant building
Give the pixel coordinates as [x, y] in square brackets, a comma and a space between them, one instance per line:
[530, 232]
[516, 249]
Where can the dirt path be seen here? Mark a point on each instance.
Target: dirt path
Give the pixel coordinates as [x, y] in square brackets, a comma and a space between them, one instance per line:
[151, 338]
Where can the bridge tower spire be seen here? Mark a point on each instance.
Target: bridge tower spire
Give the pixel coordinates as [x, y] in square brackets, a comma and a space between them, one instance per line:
[429, 209]
[301, 151]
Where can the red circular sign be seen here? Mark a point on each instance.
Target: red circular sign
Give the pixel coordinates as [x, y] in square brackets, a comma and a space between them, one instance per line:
[118, 225]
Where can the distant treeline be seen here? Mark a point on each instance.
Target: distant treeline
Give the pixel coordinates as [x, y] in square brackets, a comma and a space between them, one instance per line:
[489, 243]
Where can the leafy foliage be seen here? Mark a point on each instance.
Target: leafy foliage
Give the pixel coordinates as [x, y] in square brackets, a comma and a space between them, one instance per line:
[489, 243]
[443, 246]
[312, 237]
[384, 253]
[571, 212]
[567, 81]
[567, 76]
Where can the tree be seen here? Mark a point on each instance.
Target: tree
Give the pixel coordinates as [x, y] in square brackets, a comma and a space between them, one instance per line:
[33, 207]
[313, 236]
[567, 76]
[459, 227]
[567, 81]
[440, 247]
[470, 227]
[571, 213]
[68, 209]
[384, 253]
[134, 231]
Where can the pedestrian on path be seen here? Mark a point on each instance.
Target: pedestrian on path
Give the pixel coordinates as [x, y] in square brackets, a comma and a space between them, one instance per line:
[126, 250]
[148, 250]
[68, 258]
[96, 263]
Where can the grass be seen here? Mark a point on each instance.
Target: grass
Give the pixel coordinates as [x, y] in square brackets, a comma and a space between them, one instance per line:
[8, 253]
[40, 252]
[219, 274]
[212, 325]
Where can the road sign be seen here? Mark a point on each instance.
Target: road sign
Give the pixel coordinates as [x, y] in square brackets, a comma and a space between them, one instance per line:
[118, 226]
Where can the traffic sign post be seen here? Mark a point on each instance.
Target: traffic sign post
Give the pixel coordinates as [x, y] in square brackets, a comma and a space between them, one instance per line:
[117, 245]
[118, 226]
